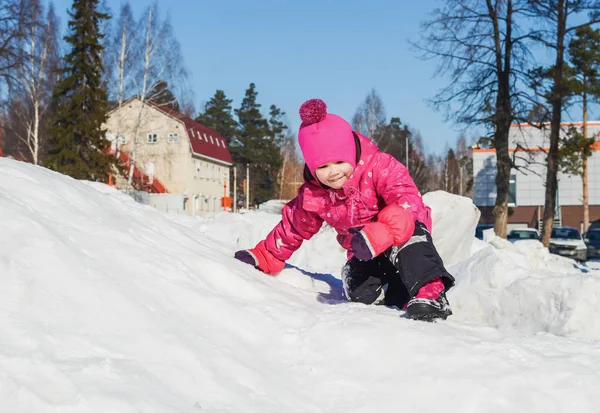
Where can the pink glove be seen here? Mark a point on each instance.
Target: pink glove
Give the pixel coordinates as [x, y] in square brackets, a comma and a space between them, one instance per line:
[395, 226]
[260, 258]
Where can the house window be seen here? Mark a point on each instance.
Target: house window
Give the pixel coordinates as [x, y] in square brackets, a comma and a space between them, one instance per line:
[121, 139]
[152, 138]
[512, 191]
[217, 142]
[223, 142]
[173, 138]
[211, 139]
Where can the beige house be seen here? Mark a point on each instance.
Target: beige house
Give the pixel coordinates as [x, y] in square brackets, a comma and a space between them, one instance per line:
[174, 155]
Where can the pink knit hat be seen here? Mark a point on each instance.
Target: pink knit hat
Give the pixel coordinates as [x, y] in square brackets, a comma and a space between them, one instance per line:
[324, 137]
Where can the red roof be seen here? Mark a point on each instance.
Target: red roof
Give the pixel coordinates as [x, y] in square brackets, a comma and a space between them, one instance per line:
[204, 140]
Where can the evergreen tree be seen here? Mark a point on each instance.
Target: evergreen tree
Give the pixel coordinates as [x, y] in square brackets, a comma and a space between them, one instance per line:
[258, 148]
[279, 130]
[584, 51]
[217, 116]
[396, 136]
[451, 173]
[162, 96]
[277, 125]
[79, 146]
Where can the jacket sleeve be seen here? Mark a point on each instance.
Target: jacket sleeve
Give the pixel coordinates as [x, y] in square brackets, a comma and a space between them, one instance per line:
[394, 184]
[297, 224]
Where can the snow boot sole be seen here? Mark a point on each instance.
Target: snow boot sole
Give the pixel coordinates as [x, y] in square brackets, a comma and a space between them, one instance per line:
[425, 309]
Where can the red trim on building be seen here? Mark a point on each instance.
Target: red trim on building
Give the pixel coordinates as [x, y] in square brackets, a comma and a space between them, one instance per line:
[143, 181]
[563, 124]
[595, 147]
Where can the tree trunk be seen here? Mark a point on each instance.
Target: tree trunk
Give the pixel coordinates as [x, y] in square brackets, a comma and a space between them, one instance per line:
[147, 58]
[584, 174]
[282, 175]
[36, 132]
[500, 211]
[502, 118]
[552, 171]
[586, 208]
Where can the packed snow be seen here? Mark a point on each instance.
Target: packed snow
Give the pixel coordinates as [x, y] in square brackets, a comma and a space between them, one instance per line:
[107, 305]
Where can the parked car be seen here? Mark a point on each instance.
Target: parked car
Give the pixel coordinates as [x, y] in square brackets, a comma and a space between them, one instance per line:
[568, 242]
[592, 240]
[594, 225]
[520, 234]
[480, 228]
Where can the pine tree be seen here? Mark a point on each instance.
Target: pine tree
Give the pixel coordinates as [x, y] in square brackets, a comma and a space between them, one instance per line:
[257, 147]
[162, 96]
[584, 51]
[277, 125]
[79, 146]
[217, 116]
[279, 130]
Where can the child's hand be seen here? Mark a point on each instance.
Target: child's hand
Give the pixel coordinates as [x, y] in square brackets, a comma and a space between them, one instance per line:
[370, 240]
[395, 226]
[261, 259]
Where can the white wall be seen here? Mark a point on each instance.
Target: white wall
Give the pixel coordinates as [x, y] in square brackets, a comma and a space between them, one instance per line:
[531, 177]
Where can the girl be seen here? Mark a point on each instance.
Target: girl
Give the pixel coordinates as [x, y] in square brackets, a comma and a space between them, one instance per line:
[369, 198]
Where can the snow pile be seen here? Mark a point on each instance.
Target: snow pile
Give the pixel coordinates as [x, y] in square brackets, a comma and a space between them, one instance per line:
[454, 221]
[273, 206]
[522, 286]
[499, 284]
[107, 305]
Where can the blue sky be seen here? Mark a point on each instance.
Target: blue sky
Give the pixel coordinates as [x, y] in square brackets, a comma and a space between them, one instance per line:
[296, 50]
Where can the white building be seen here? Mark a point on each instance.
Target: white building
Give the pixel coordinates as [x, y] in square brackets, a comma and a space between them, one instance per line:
[527, 145]
[185, 162]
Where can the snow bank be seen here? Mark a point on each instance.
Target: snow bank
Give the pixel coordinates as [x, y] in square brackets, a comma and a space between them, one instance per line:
[454, 221]
[107, 305]
[522, 286]
[517, 286]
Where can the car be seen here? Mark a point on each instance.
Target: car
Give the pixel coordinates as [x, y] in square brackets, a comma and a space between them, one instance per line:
[594, 225]
[568, 242]
[480, 228]
[520, 234]
[592, 240]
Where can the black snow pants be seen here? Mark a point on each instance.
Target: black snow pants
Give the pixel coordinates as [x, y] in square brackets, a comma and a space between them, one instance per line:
[395, 276]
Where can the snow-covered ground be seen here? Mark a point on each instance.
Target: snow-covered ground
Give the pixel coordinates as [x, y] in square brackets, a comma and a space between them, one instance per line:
[107, 305]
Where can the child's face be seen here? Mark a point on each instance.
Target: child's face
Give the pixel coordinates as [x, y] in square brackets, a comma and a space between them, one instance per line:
[334, 174]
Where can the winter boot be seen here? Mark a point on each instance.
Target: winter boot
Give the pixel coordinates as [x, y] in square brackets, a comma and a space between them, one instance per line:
[429, 303]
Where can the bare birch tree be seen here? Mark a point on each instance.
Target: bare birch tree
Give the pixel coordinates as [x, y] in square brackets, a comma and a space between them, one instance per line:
[15, 18]
[121, 57]
[159, 60]
[120, 60]
[369, 118]
[33, 80]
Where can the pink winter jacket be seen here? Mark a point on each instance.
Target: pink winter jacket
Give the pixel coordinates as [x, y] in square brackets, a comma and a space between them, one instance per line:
[378, 180]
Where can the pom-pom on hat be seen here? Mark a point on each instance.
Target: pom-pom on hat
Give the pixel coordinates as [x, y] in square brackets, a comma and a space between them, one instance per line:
[324, 137]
